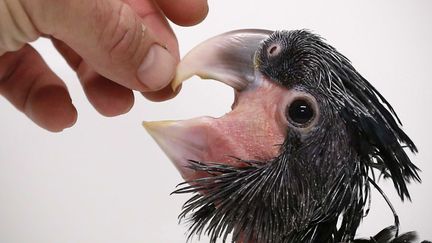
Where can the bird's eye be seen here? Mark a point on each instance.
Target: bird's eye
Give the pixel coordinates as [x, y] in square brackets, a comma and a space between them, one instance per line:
[300, 112]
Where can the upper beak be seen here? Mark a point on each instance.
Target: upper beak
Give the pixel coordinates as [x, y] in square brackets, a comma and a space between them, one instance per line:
[228, 58]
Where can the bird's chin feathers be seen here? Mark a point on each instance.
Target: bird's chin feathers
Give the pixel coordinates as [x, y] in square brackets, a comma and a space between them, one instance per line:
[260, 202]
[275, 201]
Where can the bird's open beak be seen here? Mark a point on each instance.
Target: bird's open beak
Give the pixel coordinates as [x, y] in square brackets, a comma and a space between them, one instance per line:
[242, 133]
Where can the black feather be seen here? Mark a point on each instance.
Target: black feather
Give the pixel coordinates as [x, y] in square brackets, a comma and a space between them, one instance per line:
[372, 122]
[388, 235]
[318, 188]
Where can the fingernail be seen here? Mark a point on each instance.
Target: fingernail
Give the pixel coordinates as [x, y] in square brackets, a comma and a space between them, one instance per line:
[157, 69]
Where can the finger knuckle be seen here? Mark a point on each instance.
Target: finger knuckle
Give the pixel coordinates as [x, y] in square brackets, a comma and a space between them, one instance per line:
[124, 38]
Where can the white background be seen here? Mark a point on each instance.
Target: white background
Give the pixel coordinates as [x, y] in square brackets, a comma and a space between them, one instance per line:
[105, 180]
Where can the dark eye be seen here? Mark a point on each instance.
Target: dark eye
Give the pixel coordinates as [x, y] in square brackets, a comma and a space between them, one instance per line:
[300, 112]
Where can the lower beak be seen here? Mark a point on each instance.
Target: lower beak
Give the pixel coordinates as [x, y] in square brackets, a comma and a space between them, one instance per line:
[181, 141]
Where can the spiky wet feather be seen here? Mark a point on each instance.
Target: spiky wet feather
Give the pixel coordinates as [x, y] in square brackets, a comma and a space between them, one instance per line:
[373, 124]
[319, 177]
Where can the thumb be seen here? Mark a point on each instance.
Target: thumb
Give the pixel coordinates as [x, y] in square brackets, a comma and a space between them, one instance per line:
[137, 51]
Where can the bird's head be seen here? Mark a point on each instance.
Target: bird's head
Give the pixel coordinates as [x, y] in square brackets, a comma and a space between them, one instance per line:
[294, 159]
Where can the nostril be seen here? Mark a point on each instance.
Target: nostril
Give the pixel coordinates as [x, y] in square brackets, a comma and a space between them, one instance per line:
[274, 50]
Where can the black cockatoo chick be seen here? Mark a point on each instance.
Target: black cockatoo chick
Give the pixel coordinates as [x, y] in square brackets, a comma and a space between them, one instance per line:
[296, 158]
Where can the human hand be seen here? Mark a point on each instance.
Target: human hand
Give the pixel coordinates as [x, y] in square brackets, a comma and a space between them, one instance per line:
[114, 47]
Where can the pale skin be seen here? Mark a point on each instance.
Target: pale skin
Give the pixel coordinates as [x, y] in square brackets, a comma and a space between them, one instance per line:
[114, 46]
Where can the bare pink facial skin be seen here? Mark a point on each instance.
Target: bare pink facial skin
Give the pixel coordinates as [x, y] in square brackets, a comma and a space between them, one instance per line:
[253, 130]
[255, 127]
